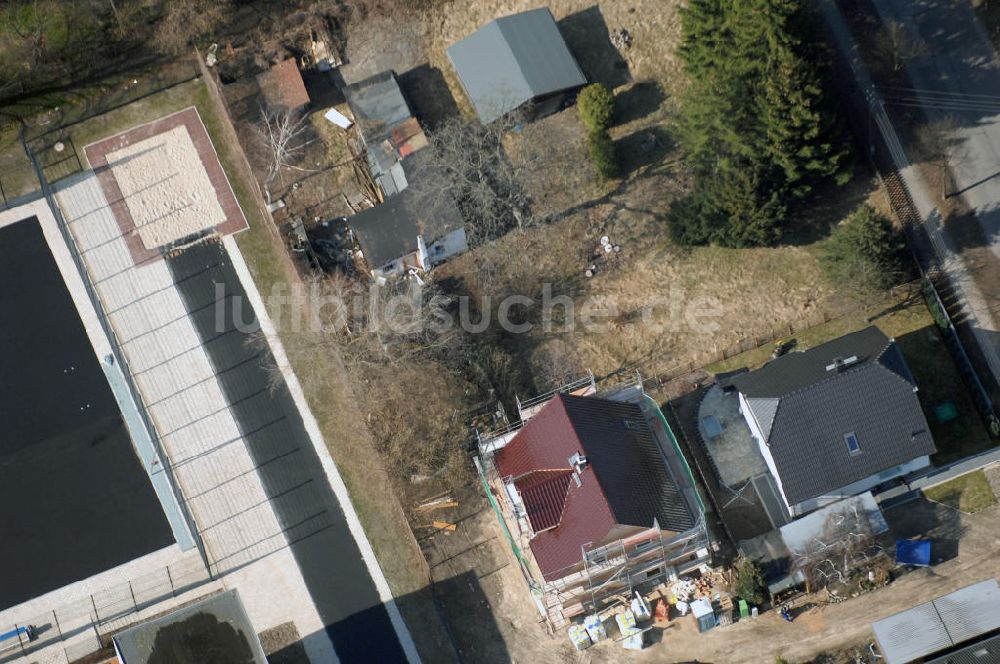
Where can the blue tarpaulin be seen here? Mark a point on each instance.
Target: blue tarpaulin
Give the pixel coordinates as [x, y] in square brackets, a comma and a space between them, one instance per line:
[913, 552]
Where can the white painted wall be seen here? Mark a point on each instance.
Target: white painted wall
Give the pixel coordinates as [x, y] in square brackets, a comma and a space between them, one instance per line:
[852, 489]
[443, 248]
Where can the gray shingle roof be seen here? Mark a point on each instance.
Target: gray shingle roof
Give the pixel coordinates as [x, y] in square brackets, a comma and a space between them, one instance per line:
[378, 105]
[512, 60]
[389, 230]
[619, 445]
[811, 407]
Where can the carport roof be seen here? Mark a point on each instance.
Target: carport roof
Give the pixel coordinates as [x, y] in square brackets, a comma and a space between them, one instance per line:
[938, 625]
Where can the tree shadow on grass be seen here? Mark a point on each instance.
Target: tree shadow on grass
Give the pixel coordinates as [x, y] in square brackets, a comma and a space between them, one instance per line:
[642, 148]
[586, 34]
[638, 101]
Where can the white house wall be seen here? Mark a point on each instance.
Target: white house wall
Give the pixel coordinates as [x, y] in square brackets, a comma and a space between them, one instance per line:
[443, 248]
[860, 486]
[852, 489]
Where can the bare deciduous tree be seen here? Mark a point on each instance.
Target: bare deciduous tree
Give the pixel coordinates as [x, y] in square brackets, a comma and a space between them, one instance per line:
[465, 164]
[902, 44]
[187, 21]
[280, 134]
[845, 545]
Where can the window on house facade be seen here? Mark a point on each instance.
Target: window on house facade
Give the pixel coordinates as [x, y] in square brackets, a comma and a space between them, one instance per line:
[852, 443]
[642, 546]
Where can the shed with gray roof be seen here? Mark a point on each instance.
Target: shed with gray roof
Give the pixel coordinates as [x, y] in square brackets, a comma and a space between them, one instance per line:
[513, 60]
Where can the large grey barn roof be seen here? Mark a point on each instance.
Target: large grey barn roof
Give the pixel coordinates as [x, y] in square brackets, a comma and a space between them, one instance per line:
[512, 60]
[804, 409]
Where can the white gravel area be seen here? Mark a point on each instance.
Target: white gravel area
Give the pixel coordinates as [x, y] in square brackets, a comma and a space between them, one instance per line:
[166, 188]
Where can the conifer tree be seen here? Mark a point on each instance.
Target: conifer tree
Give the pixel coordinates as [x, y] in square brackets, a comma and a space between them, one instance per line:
[758, 129]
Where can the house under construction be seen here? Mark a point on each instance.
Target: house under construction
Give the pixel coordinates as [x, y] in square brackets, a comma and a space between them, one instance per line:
[595, 497]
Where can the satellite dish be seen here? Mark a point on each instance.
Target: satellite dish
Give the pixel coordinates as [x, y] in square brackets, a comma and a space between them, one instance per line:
[605, 241]
[607, 248]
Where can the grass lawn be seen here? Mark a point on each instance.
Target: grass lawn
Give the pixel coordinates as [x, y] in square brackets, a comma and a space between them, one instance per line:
[17, 177]
[969, 493]
[930, 362]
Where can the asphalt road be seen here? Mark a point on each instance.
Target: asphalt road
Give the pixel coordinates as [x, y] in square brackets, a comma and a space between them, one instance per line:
[956, 78]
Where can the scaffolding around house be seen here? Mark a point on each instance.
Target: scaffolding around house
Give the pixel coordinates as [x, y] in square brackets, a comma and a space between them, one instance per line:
[610, 572]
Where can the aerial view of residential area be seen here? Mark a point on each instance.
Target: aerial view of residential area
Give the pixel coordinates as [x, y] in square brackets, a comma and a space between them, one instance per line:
[485, 331]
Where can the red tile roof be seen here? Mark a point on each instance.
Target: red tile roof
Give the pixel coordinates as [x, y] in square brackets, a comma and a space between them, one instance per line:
[544, 496]
[282, 85]
[545, 444]
[626, 480]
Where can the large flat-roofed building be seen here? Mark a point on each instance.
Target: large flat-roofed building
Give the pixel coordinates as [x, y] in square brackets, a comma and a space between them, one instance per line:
[76, 498]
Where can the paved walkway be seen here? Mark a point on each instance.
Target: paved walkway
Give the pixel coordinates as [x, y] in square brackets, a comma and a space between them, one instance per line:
[259, 495]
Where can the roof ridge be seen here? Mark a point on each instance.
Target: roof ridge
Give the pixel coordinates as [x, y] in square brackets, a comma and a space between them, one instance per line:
[892, 342]
[828, 379]
[572, 425]
[510, 49]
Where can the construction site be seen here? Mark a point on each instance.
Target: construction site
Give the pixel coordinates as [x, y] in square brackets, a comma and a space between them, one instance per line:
[620, 570]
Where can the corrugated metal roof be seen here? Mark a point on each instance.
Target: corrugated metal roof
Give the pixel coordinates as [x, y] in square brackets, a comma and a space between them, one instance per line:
[940, 624]
[512, 60]
[985, 651]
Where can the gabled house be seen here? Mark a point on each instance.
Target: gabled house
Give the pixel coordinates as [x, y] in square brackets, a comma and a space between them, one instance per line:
[514, 60]
[402, 232]
[599, 499]
[836, 420]
[400, 235]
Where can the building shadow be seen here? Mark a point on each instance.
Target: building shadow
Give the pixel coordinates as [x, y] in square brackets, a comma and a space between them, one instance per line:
[428, 93]
[470, 631]
[587, 35]
[325, 88]
[922, 518]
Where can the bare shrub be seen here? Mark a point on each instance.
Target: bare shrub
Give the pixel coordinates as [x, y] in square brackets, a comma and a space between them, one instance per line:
[186, 22]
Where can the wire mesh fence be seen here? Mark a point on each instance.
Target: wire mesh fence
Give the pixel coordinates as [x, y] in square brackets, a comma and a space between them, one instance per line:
[82, 627]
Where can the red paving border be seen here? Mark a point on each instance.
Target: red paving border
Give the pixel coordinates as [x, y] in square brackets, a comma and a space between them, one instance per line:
[189, 118]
